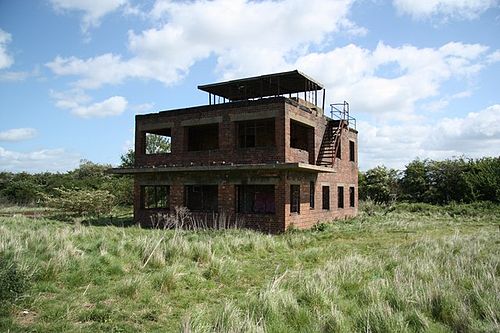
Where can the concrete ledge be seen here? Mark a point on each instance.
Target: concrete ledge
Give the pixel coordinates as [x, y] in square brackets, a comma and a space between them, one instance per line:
[235, 167]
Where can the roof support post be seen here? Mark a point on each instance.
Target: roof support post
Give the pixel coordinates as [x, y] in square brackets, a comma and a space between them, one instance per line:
[323, 101]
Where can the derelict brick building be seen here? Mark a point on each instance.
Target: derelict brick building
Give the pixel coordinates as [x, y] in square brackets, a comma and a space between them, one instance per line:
[262, 151]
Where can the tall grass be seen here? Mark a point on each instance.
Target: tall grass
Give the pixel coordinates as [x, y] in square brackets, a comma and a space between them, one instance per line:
[392, 269]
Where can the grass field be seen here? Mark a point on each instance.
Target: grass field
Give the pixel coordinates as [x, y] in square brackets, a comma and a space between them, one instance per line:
[410, 268]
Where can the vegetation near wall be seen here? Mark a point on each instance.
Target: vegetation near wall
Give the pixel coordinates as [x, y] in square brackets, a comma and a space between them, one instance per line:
[30, 189]
[411, 268]
[428, 181]
[437, 182]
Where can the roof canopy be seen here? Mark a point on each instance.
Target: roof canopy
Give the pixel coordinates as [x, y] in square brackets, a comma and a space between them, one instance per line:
[263, 86]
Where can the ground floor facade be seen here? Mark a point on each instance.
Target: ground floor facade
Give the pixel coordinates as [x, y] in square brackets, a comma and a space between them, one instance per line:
[266, 200]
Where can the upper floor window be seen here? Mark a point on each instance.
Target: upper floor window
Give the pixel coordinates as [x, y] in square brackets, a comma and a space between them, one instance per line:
[256, 133]
[339, 149]
[352, 151]
[299, 135]
[158, 141]
[203, 137]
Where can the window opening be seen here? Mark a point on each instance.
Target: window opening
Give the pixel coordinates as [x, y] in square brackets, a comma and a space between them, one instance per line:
[256, 133]
[351, 196]
[204, 137]
[339, 149]
[158, 142]
[202, 197]
[311, 194]
[326, 197]
[299, 135]
[256, 199]
[352, 152]
[155, 196]
[340, 197]
[295, 198]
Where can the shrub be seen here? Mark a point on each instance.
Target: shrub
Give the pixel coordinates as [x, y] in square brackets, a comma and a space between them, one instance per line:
[13, 281]
[82, 202]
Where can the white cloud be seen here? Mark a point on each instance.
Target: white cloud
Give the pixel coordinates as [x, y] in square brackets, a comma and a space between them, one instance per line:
[112, 106]
[18, 134]
[494, 57]
[360, 75]
[38, 161]
[93, 10]
[13, 76]
[5, 59]
[197, 30]
[142, 108]
[448, 9]
[443, 102]
[475, 135]
[79, 104]
[247, 37]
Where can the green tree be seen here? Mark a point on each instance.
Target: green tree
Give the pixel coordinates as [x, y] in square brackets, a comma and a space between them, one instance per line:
[415, 183]
[448, 182]
[484, 179]
[379, 184]
[155, 144]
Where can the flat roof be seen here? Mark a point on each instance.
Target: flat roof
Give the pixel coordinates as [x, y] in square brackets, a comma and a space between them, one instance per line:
[235, 167]
[263, 86]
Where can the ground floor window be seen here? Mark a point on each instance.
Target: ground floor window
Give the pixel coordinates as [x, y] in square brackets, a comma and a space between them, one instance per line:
[340, 197]
[351, 196]
[155, 196]
[257, 199]
[295, 198]
[326, 197]
[311, 195]
[201, 197]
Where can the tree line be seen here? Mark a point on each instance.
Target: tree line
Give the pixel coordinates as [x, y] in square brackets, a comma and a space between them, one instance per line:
[28, 189]
[458, 179]
[423, 180]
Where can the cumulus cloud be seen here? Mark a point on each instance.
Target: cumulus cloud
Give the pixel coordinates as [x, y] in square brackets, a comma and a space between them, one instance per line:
[247, 37]
[475, 135]
[38, 161]
[198, 30]
[110, 107]
[18, 134]
[447, 9]
[5, 59]
[93, 10]
[80, 104]
[362, 75]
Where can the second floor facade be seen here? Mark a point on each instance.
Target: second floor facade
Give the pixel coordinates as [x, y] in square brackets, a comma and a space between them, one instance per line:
[262, 131]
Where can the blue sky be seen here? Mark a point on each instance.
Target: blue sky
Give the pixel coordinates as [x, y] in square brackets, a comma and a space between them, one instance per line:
[422, 77]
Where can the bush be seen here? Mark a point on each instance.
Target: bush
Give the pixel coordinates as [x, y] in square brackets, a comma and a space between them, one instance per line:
[379, 184]
[13, 281]
[82, 202]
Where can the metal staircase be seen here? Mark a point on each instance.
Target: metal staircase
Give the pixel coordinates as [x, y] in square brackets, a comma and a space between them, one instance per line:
[340, 120]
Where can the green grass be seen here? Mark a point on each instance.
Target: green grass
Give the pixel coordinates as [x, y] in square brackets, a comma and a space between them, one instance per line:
[404, 268]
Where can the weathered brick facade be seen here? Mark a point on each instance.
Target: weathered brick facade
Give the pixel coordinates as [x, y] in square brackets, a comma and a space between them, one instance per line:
[230, 167]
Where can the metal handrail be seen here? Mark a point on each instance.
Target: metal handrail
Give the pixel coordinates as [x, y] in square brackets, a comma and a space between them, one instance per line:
[340, 111]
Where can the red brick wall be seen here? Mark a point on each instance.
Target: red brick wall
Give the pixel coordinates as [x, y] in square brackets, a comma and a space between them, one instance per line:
[284, 109]
[228, 151]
